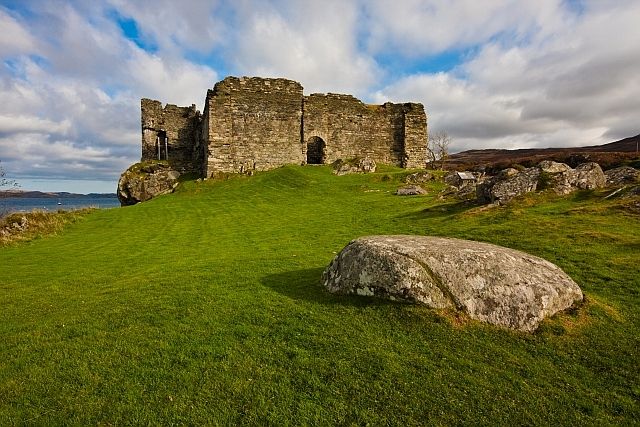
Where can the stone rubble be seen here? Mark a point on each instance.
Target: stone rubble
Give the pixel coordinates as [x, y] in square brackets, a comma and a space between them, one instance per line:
[558, 177]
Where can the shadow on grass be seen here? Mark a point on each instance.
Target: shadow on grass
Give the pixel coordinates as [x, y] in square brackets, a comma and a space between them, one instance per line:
[440, 211]
[306, 285]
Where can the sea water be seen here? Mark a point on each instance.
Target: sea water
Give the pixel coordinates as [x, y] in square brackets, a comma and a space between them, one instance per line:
[27, 204]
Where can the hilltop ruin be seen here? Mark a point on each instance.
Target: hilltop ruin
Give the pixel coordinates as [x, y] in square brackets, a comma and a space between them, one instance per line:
[253, 123]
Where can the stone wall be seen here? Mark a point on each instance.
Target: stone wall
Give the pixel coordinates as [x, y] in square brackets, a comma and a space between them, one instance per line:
[415, 135]
[253, 124]
[349, 128]
[180, 126]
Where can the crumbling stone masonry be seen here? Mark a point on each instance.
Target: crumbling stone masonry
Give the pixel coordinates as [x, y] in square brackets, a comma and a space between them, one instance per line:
[253, 123]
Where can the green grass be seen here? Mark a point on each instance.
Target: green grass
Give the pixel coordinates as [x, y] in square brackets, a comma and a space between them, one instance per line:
[206, 307]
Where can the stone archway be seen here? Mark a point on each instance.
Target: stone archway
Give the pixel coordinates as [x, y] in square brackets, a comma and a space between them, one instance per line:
[316, 151]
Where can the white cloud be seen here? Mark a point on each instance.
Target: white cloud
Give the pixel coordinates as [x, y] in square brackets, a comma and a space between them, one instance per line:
[575, 84]
[10, 124]
[14, 37]
[187, 24]
[311, 42]
[177, 82]
[416, 27]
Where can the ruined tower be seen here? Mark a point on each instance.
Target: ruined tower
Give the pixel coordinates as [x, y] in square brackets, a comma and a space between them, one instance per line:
[253, 123]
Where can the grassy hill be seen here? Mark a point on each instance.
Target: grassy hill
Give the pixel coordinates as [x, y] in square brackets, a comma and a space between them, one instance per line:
[206, 307]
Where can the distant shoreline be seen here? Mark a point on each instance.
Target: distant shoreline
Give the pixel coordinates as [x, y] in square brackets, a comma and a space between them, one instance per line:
[18, 194]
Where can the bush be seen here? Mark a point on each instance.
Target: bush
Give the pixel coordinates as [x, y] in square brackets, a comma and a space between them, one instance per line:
[544, 181]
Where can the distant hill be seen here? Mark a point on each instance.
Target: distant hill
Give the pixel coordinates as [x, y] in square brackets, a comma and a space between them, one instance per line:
[53, 195]
[608, 155]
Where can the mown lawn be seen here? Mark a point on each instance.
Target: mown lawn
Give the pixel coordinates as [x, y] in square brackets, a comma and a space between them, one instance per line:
[206, 307]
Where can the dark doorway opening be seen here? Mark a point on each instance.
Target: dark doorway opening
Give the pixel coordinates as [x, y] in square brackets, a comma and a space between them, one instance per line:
[316, 151]
[162, 145]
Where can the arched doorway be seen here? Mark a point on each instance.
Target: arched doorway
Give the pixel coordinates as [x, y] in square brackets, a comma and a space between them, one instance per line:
[315, 151]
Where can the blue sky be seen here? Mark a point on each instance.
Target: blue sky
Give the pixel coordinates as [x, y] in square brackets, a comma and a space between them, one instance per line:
[493, 74]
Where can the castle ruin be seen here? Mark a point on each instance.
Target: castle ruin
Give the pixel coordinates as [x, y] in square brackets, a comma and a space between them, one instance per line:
[253, 123]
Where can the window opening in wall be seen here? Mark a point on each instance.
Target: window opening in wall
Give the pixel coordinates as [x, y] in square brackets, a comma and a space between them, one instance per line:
[162, 145]
[316, 151]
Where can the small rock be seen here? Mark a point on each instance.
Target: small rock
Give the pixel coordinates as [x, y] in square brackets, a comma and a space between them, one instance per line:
[411, 190]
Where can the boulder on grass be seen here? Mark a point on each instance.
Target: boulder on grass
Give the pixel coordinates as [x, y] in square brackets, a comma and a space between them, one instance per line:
[356, 165]
[589, 176]
[144, 181]
[508, 184]
[411, 190]
[490, 283]
[622, 175]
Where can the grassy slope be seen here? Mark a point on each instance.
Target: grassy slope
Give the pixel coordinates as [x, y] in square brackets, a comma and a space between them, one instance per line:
[206, 307]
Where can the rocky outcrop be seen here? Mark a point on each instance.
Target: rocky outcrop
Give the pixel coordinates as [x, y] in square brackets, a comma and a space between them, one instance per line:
[490, 283]
[418, 178]
[411, 190]
[508, 184]
[622, 176]
[563, 180]
[589, 176]
[144, 181]
[558, 177]
[357, 165]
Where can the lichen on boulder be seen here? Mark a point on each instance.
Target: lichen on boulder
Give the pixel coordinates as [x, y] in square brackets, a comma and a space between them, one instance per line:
[146, 180]
[490, 283]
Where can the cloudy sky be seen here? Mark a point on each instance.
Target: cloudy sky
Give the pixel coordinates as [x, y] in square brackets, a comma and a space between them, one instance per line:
[492, 73]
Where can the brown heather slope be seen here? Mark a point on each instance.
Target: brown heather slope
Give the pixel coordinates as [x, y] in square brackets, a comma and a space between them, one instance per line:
[608, 156]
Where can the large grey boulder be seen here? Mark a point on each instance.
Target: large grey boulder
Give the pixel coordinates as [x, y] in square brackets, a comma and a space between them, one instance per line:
[508, 184]
[497, 285]
[559, 177]
[144, 181]
[563, 180]
[589, 176]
